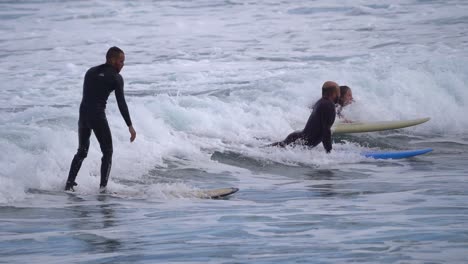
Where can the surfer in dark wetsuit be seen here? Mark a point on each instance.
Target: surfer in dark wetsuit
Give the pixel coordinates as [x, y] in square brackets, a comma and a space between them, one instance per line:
[318, 127]
[99, 82]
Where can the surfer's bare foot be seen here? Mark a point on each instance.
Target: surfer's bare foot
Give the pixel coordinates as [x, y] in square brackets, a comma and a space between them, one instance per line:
[103, 189]
[69, 186]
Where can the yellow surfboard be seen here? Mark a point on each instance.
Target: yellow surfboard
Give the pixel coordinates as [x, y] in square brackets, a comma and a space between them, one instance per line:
[215, 193]
[361, 127]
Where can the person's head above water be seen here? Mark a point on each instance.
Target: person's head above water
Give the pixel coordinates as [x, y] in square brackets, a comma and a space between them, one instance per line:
[116, 58]
[330, 90]
[346, 96]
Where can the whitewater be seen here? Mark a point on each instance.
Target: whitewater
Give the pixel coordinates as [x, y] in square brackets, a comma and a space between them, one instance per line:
[208, 84]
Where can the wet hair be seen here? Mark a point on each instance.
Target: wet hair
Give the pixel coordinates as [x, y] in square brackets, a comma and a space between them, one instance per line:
[343, 91]
[113, 52]
[328, 90]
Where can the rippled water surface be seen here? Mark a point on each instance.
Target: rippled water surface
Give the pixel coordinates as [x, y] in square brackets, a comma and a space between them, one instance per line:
[208, 84]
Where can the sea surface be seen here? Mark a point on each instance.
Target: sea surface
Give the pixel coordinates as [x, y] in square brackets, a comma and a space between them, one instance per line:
[208, 84]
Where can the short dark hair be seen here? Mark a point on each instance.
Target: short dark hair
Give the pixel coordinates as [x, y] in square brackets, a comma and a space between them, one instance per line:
[328, 90]
[113, 52]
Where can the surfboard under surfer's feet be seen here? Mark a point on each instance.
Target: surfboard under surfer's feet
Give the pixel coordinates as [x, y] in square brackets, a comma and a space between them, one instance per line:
[70, 186]
[103, 190]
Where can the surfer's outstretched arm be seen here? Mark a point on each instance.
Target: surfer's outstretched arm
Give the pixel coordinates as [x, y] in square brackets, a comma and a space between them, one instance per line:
[120, 96]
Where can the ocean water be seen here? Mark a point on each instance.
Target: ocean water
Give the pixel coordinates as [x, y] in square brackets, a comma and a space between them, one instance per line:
[208, 83]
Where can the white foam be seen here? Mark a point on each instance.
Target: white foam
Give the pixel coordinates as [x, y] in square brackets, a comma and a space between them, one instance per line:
[218, 81]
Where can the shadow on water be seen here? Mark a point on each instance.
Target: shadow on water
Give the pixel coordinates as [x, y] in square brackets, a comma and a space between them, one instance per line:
[323, 189]
[108, 213]
[83, 227]
[337, 183]
[256, 165]
[176, 172]
[321, 183]
[98, 218]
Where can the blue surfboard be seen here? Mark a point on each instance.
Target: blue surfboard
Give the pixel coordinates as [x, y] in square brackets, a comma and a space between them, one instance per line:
[396, 154]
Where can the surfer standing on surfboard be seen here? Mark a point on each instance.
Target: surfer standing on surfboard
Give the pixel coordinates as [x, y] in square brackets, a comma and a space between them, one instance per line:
[318, 127]
[99, 82]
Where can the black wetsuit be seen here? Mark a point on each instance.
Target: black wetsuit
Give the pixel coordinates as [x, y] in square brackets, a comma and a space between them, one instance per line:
[99, 82]
[317, 129]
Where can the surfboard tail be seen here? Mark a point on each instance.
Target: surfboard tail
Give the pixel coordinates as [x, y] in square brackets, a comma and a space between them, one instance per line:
[216, 193]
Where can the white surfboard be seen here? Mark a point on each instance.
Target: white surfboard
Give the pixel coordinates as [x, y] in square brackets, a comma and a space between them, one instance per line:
[361, 127]
[215, 193]
[201, 194]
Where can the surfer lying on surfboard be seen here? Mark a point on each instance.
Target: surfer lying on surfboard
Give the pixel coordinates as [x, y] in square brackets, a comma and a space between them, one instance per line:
[346, 98]
[318, 127]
